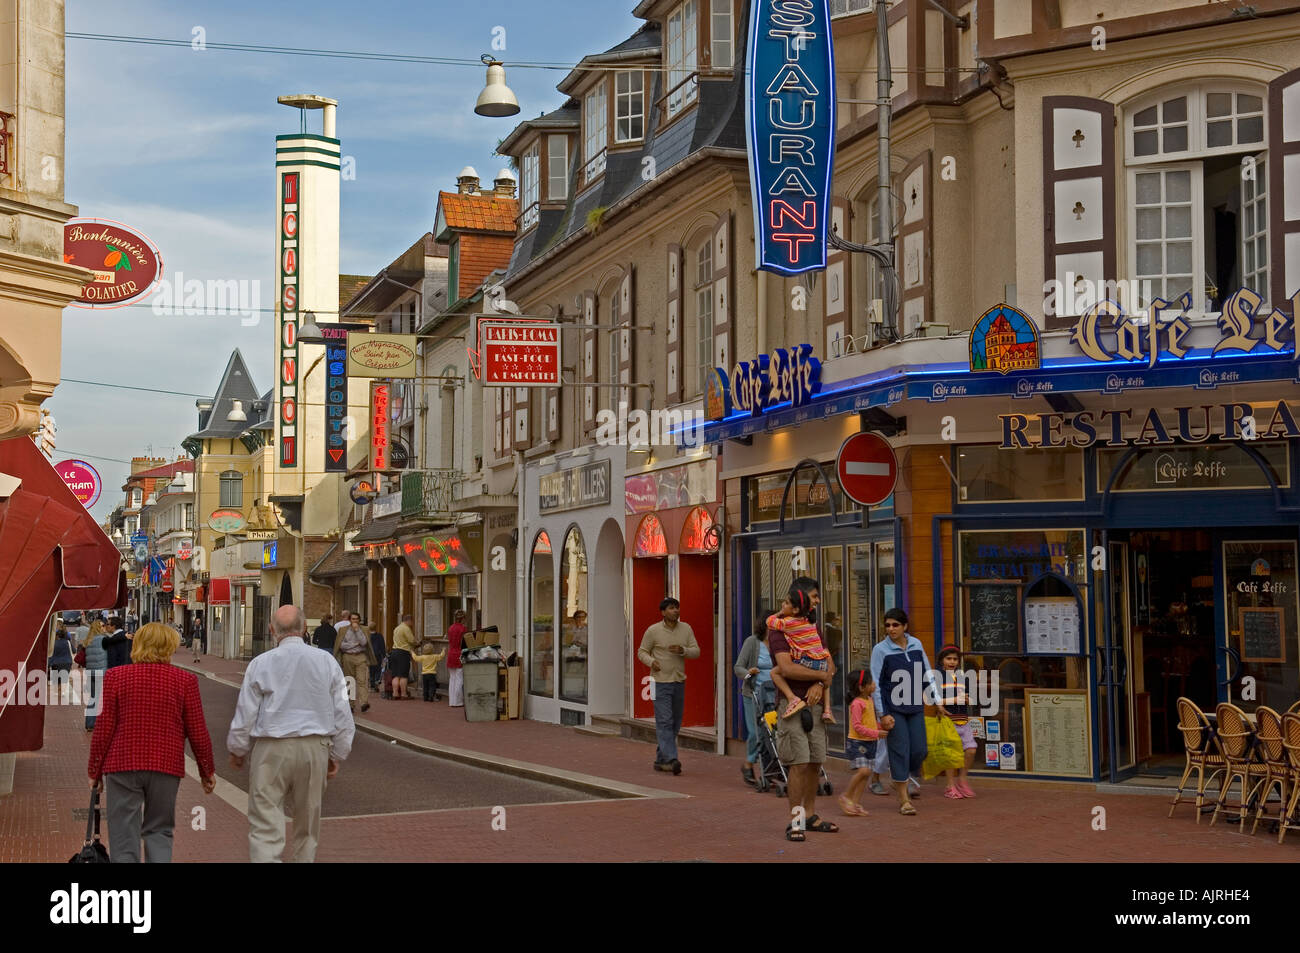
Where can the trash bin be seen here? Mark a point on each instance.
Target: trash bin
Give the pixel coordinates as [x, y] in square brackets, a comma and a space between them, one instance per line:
[481, 690]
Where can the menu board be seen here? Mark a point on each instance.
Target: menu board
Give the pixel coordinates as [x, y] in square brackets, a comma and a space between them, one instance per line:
[1058, 733]
[1261, 635]
[1052, 626]
[993, 618]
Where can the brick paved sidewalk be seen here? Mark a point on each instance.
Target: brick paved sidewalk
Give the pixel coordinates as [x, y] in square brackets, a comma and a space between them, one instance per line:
[719, 819]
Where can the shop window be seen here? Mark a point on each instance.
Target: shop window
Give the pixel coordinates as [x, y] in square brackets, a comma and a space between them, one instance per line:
[650, 539]
[1023, 628]
[542, 648]
[810, 496]
[1206, 466]
[697, 535]
[1260, 588]
[1198, 206]
[573, 606]
[987, 474]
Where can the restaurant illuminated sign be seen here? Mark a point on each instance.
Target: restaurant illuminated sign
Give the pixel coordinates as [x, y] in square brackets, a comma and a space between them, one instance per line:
[290, 228]
[380, 437]
[790, 119]
[1135, 428]
[791, 375]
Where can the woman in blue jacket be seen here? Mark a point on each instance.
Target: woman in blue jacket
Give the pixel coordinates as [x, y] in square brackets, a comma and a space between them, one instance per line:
[904, 684]
[96, 663]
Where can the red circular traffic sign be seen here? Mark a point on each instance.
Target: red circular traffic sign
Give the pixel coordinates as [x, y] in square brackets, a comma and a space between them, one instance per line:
[867, 468]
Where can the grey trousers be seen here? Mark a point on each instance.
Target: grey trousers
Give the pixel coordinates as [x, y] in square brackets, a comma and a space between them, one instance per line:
[141, 804]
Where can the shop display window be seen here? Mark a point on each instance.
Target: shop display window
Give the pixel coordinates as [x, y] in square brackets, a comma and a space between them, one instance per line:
[1202, 466]
[573, 607]
[542, 636]
[988, 474]
[650, 539]
[1260, 603]
[810, 495]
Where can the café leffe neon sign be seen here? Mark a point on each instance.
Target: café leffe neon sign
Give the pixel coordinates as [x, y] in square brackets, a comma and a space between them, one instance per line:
[789, 375]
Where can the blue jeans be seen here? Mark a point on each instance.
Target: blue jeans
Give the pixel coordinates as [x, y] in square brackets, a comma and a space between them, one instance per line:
[670, 699]
[761, 701]
[907, 746]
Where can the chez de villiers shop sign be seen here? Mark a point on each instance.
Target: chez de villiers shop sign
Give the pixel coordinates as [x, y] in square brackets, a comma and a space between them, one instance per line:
[572, 489]
[790, 118]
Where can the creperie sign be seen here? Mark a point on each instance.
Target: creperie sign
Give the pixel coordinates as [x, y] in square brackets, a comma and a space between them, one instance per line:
[380, 394]
[521, 355]
[790, 119]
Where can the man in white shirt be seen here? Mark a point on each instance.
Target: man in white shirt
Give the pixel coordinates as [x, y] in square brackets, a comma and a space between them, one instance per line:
[293, 716]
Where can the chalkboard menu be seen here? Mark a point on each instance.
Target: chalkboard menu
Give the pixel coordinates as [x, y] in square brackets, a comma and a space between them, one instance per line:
[1261, 635]
[993, 618]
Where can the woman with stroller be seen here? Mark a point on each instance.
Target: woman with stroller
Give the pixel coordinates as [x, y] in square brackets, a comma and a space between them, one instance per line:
[754, 668]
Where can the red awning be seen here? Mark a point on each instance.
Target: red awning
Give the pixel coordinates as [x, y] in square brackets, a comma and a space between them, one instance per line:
[53, 556]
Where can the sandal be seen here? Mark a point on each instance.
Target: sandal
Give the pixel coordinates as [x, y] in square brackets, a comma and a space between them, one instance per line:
[794, 835]
[965, 789]
[795, 706]
[953, 793]
[815, 823]
[829, 717]
[849, 808]
[907, 810]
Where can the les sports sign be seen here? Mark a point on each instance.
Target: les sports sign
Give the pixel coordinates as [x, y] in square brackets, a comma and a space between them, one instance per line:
[790, 119]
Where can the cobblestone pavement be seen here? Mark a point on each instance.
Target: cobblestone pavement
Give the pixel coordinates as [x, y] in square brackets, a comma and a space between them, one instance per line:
[705, 814]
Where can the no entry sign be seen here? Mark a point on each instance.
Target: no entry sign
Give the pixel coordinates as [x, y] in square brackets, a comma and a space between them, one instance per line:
[867, 468]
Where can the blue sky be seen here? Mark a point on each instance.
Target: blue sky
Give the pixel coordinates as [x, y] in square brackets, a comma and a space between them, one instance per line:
[179, 144]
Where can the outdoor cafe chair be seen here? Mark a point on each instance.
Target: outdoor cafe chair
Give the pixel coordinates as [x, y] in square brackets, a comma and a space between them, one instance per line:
[1237, 744]
[1277, 770]
[1291, 742]
[1198, 742]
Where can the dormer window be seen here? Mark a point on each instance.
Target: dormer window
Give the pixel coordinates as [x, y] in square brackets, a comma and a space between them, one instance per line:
[557, 168]
[629, 106]
[594, 133]
[532, 171]
[683, 43]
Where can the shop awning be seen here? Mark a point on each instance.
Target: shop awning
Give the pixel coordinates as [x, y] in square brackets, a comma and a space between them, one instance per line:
[53, 556]
[436, 554]
[381, 530]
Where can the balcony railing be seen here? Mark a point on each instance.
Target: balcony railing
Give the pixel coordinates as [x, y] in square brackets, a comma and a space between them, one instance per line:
[429, 494]
[595, 167]
[844, 8]
[528, 217]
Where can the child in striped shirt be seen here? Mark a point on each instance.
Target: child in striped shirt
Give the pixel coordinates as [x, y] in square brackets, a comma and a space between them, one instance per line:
[806, 648]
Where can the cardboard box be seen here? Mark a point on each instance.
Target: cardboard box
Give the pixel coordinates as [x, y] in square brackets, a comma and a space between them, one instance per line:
[514, 690]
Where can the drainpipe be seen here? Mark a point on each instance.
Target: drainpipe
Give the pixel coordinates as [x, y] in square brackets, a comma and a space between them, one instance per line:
[522, 619]
[762, 311]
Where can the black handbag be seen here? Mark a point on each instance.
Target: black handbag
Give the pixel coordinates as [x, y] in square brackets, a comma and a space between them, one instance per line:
[96, 852]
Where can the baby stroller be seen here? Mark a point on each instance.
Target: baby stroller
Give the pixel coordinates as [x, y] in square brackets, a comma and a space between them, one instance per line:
[771, 772]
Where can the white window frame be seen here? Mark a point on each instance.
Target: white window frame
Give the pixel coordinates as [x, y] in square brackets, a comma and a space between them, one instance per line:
[595, 133]
[609, 395]
[530, 170]
[1198, 227]
[703, 286]
[722, 53]
[682, 52]
[557, 168]
[1197, 118]
[228, 477]
[1260, 200]
[629, 105]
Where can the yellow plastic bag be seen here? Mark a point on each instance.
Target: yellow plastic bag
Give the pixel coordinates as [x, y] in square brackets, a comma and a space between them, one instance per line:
[944, 747]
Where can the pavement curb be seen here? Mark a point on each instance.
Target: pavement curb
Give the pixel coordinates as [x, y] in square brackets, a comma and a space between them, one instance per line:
[589, 783]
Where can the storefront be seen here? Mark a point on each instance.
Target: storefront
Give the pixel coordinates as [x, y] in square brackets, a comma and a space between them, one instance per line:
[1100, 535]
[673, 529]
[575, 621]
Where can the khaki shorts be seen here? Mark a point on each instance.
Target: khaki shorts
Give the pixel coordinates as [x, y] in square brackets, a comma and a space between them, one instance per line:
[796, 746]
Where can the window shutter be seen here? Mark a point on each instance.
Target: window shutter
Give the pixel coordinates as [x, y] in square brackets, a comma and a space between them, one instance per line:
[589, 402]
[504, 429]
[1284, 190]
[674, 337]
[838, 308]
[552, 414]
[627, 339]
[915, 239]
[523, 430]
[723, 331]
[1078, 196]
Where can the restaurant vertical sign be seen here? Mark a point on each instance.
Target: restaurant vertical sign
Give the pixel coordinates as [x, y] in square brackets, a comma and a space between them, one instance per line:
[290, 228]
[790, 120]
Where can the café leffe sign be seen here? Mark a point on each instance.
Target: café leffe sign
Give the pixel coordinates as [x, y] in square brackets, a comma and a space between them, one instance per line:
[790, 375]
[790, 120]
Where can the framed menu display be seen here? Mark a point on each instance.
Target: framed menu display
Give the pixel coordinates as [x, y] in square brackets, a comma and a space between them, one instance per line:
[432, 619]
[1058, 732]
[1262, 634]
[992, 617]
[1052, 626]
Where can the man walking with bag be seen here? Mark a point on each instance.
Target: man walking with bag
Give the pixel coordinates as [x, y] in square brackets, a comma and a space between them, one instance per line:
[665, 647]
[293, 717]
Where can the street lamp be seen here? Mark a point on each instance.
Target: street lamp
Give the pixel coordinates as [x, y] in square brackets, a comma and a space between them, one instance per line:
[496, 100]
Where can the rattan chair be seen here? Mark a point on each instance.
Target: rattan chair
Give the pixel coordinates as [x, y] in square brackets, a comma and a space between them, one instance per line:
[1294, 709]
[1277, 770]
[1198, 742]
[1235, 738]
[1291, 742]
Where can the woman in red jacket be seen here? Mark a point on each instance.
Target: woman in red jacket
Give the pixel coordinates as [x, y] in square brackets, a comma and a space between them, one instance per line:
[138, 749]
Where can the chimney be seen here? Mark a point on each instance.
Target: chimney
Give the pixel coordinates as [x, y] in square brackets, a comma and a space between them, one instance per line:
[505, 184]
[467, 181]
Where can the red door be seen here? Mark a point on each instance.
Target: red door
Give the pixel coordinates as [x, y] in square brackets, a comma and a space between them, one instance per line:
[697, 583]
[649, 578]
